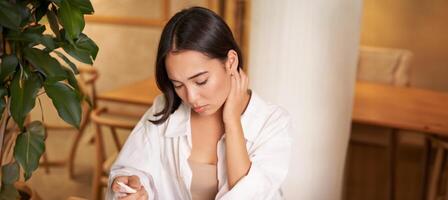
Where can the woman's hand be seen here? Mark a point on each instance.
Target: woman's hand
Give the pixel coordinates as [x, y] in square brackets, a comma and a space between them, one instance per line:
[238, 97]
[133, 182]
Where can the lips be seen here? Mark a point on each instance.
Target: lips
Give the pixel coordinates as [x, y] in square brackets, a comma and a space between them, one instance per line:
[199, 109]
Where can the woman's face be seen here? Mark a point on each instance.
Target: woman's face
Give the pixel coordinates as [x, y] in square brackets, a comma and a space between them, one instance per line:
[201, 82]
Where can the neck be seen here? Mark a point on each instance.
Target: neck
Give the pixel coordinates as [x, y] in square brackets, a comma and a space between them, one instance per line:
[213, 122]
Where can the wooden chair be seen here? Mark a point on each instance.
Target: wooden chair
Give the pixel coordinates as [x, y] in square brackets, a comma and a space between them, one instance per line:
[385, 66]
[438, 180]
[105, 118]
[86, 79]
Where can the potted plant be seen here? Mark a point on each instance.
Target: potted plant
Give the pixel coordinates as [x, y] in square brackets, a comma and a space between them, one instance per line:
[28, 69]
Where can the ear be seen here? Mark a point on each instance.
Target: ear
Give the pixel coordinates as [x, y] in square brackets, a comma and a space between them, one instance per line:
[231, 62]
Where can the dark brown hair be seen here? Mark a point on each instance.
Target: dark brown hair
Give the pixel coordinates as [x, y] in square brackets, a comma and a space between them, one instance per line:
[198, 29]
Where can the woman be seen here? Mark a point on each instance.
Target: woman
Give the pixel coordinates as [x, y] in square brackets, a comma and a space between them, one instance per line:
[207, 136]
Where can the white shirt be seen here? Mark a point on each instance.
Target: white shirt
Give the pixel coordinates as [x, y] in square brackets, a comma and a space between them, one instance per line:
[158, 154]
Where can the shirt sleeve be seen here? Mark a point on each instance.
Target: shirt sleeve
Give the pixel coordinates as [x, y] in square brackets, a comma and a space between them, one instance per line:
[135, 157]
[269, 162]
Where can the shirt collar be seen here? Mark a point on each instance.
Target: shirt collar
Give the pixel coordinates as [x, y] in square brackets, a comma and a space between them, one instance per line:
[179, 121]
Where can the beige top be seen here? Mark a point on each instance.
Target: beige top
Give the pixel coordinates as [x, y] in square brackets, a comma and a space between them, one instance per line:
[204, 184]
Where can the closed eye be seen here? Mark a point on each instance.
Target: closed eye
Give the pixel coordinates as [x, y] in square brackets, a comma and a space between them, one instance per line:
[177, 86]
[202, 83]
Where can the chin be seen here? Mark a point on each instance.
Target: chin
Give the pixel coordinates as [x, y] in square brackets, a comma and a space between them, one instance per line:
[204, 113]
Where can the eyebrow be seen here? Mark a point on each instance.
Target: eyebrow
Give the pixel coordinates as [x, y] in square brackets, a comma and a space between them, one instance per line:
[192, 77]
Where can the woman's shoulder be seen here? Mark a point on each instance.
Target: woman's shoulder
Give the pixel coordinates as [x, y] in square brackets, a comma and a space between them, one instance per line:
[266, 109]
[264, 119]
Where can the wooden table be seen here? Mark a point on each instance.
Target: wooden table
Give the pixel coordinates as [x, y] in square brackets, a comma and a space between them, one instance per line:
[138, 93]
[402, 108]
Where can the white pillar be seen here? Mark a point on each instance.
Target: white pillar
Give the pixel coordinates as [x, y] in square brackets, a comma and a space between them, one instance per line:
[303, 56]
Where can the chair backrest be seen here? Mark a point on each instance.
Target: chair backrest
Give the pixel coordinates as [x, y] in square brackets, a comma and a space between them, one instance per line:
[101, 119]
[86, 80]
[384, 65]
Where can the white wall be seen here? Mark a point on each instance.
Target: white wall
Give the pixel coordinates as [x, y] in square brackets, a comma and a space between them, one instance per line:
[303, 57]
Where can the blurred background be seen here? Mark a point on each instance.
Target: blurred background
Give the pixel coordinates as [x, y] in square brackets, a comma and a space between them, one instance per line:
[399, 48]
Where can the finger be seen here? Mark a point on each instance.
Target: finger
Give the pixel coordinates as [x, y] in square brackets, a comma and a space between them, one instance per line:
[120, 195]
[234, 86]
[129, 197]
[238, 73]
[231, 86]
[245, 81]
[140, 194]
[238, 82]
[235, 75]
[235, 69]
[115, 186]
[134, 182]
[123, 179]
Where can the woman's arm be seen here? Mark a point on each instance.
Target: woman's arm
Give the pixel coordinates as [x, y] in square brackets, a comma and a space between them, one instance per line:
[269, 161]
[238, 163]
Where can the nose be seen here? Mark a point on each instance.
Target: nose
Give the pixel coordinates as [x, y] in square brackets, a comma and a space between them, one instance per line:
[192, 96]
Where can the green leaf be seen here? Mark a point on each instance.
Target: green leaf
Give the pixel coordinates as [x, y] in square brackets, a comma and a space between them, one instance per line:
[78, 54]
[25, 15]
[30, 145]
[14, 35]
[33, 36]
[10, 15]
[66, 101]
[68, 61]
[23, 96]
[8, 66]
[8, 192]
[10, 173]
[53, 21]
[46, 64]
[48, 42]
[83, 50]
[84, 5]
[39, 29]
[85, 43]
[72, 79]
[71, 19]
